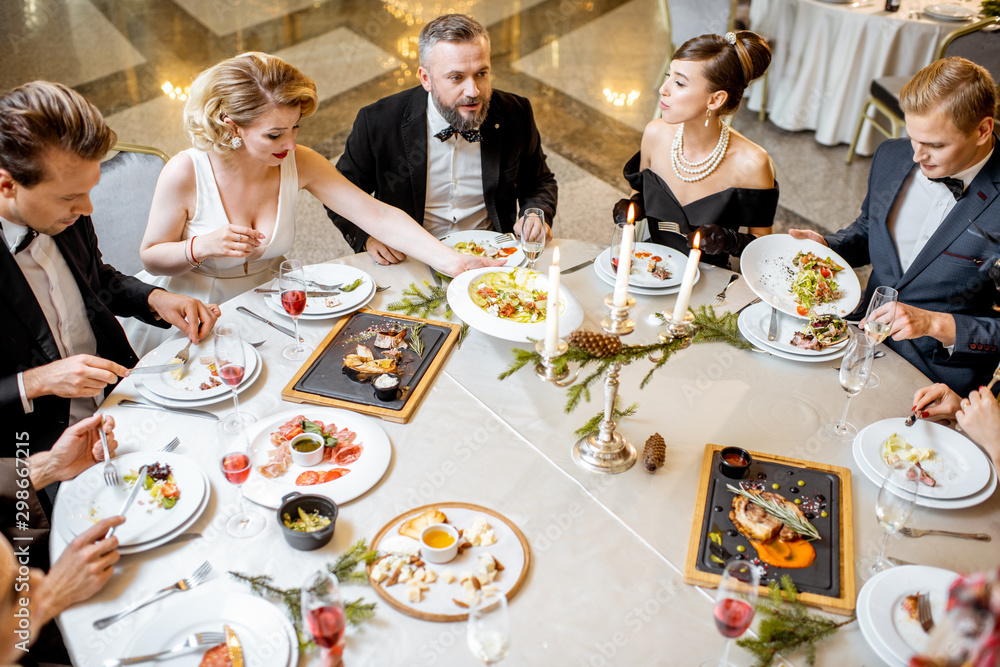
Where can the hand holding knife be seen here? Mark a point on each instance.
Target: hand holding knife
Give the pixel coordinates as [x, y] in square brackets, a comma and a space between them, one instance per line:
[140, 482]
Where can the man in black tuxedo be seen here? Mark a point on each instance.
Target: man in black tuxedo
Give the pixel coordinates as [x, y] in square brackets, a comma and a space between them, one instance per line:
[929, 225]
[62, 345]
[453, 153]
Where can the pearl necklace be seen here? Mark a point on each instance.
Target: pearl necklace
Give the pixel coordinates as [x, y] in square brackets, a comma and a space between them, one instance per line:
[697, 170]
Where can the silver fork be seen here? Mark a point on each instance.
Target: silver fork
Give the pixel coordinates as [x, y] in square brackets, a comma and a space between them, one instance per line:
[721, 296]
[171, 446]
[996, 377]
[503, 238]
[193, 641]
[924, 612]
[185, 354]
[906, 531]
[669, 227]
[185, 584]
[110, 471]
[316, 285]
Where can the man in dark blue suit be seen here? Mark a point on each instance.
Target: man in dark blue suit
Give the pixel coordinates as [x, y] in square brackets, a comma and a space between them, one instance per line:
[927, 231]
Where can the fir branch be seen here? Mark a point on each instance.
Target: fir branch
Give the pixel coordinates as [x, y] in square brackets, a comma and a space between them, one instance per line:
[416, 302]
[345, 567]
[462, 333]
[595, 422]
[713, 328]
[358, 611]
[788, 517]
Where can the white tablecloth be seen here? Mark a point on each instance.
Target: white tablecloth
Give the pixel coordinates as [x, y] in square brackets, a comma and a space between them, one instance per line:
[826, 55]
[608, 551]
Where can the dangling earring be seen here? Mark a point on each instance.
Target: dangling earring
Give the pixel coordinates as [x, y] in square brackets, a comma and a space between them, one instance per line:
[708, 116]
[237, 142]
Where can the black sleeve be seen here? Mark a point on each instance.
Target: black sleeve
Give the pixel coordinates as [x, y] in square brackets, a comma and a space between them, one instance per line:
[537, 186]
[357, 164]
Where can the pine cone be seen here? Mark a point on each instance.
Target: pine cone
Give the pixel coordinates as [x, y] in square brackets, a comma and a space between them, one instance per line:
[654, 453]
[598, 344]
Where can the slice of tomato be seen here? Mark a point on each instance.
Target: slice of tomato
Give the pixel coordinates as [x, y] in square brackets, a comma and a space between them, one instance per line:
[308, 478]
[335, 473]
[294, 432]
[169, 490]
[802, 310]
[825, 272]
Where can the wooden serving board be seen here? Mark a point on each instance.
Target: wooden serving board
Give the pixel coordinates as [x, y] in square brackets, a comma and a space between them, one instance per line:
[320, 379]
[829, 582]
[511, 550]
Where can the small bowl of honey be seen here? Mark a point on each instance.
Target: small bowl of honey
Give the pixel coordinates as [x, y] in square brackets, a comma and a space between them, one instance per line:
[439, 543]
[735, 462]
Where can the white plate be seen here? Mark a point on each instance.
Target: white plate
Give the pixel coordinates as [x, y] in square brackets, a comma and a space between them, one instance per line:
[266, 635]
[758, 319]
[365, 472]
[922, 500]
[742, 323]
[330, 274]
[950, 12]
[886, 627]
[248, 381]
[186, 389]
[767, 267]
[570, 316]
[486, 237]
[340, 312]
[348, 301]
[959, 467]
[87, 499]
[674, 260]
[603, 271]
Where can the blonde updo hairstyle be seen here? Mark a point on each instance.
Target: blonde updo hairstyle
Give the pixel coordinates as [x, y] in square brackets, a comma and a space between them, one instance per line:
[243, 89]
[728, 66]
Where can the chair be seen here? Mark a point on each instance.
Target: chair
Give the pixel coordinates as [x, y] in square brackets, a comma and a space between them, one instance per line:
[970, 42]
[122, 201]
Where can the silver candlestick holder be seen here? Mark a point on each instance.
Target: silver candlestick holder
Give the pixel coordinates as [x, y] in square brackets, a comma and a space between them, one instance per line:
[683, 331]
[546, 370]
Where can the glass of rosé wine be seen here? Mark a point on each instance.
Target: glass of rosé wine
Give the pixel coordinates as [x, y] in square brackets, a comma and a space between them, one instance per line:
[735, 602]
[323, 612]
[230, 362]
[236, 469]
[292, 285]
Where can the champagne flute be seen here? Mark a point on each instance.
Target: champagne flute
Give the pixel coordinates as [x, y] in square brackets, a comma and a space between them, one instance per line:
[489, 629]
[854, 370]
[323, 611]
[292, 285]
[878, 320]
[894, 504]
[230, 360]
[616, 247]
[533, 234]
[735, 602]
[236, 469]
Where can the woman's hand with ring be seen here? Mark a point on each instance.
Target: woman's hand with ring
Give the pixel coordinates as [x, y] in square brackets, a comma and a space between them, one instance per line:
[228, 241]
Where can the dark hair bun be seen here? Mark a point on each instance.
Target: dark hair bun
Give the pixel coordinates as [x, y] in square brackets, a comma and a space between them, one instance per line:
[728, 67]
[759, 52]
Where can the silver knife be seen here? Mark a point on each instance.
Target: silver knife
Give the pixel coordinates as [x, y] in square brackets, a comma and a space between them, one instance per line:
[754, 302]
[140, 481]
[159, 368]
[268, 290]
[579, 266]
[285, 330]
[129, 403]
[435, 276]
[772, 328]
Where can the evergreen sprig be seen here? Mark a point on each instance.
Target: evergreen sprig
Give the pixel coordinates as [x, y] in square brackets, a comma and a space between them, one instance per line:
[462, 333]
[595, 422]
[990, 8]
[345, 568]
[786, 628]
[416, 302]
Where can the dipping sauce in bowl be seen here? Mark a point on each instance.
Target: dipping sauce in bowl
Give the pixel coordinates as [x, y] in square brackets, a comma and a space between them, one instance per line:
[735, 462]
[438, 539]
[307, 449]
[439, 543]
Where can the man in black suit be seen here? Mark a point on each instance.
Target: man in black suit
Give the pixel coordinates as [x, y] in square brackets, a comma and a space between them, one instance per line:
[453, 153]
[62, 345]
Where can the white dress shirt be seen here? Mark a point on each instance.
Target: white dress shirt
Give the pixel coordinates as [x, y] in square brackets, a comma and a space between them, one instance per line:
[58, 295]
[920, 208]
[454, 198]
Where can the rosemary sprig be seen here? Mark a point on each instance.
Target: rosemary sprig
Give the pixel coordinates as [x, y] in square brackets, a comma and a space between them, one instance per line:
[416, 343]
[462, 333]
[780, 512]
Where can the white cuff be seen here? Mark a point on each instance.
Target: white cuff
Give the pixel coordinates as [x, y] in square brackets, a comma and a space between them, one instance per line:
[26, 403]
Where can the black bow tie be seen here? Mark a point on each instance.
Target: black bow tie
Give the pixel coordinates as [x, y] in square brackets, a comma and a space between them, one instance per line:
[26, 241]
[472, 136]
[956, 186]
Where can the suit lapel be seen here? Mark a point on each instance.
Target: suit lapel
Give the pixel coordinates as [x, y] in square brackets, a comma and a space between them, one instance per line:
[489, 151]
[891, 258]
[25, 307]
[414, 131]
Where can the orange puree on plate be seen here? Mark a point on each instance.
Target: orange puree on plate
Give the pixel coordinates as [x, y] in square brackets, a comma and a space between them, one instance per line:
[794, 554]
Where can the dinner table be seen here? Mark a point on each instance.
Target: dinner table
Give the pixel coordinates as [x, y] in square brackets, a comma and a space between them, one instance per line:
[605, 585]
[825, 55]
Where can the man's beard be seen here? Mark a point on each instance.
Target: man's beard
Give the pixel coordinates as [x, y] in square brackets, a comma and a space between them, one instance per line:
[455, 117]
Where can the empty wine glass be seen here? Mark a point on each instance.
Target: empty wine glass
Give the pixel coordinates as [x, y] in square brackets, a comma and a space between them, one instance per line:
[236, 466]
[230, 360]
[878, 320]
[735, 602]
[323, 611]
[292, 285]
[895, 504]
[489, 629]
[854, 369]
[533, 233]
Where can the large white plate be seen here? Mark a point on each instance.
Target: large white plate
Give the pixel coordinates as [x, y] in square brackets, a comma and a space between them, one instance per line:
[87, 499]
[266, 635]
[950, 12]
[365, 472]
[248, 381]
[339, 312]
[604, 273]
[186, 389]
[486, 237]
[674, 260]
[570, 315]
[886, 627]
[923, 500]
[767, 267]
[762, 343]
[758, 319]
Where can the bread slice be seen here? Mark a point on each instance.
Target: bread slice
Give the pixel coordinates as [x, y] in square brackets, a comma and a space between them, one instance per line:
[413, 527]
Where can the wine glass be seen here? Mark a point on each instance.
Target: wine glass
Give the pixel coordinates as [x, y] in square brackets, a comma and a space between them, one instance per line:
[957, 638]
[735, 602]
[230, 360]
[616, 247]
[894, 504]
[292, 285]
[323, 611]
[236, 468]
[854, 369]
[533, 234]
[488, 629]
[878, 320]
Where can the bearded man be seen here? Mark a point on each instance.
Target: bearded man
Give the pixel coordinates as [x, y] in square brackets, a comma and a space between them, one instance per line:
[453, 153]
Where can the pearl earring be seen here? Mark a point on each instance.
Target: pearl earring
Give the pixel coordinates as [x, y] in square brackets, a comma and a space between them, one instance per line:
[708, 116]
[237, 142]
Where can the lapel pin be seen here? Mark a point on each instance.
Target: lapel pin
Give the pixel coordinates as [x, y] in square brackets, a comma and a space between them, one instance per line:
[982, 195]
[497, 127]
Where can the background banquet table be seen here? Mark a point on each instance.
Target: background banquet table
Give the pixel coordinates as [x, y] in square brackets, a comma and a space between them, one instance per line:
[825, 56]
[605, 586]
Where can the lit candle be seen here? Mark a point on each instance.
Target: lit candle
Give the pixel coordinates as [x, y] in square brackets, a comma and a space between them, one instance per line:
[552, 307]
[684, 296]
[625, 260]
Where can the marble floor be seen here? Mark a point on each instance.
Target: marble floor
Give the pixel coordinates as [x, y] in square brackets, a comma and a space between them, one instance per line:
[589, 67]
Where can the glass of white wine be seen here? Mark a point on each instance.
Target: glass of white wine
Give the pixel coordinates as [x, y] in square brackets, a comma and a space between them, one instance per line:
[895, 504]
[533, 234]
[854, 370]
[879, 318]
[489, 629]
